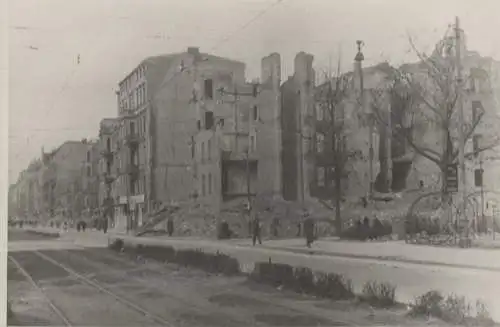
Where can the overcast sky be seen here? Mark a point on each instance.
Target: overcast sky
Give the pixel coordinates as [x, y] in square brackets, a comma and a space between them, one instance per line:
[53, 99]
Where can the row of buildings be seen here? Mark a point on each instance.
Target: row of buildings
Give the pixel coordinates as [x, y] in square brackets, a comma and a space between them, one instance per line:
[191, 129]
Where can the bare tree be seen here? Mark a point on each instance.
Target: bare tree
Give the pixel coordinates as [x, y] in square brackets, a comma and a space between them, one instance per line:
[424, 100]
[330, 140]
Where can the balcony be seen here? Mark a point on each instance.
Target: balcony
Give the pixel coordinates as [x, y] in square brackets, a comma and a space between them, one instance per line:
[132, 170]
[108, 177]
[132, 140]
[232, 156]
[107, 154]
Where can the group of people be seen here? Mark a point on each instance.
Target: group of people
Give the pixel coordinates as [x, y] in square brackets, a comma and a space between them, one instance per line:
[256, 230]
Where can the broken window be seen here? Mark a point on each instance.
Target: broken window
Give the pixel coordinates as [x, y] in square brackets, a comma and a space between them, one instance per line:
[209, 89]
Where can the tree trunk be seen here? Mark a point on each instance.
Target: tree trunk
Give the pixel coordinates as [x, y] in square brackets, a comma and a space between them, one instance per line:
[338, 200]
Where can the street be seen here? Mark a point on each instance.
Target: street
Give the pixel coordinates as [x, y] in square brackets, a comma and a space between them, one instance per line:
[411, 279]
[95, 287]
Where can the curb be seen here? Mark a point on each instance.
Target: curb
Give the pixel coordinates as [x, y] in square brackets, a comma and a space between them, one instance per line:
[245, 268]
[383, 258]
[44, 233]
[317, 252]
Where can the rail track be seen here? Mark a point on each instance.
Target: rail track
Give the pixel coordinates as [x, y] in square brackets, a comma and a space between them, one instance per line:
[85, 281]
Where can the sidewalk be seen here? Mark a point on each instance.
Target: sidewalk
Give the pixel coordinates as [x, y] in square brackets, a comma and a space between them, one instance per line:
[394, 251]
[374, 251]
[475, 258]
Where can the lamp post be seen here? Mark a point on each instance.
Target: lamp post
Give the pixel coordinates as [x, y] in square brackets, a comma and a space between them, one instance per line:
[359, 59]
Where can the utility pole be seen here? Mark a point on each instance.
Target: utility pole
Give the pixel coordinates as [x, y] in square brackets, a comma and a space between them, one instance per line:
[237, 95]
[458, 54]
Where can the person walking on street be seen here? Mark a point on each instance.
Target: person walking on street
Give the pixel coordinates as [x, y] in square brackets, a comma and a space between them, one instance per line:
[105, 224]
[170, 226]
[256, 231]
[309, 231]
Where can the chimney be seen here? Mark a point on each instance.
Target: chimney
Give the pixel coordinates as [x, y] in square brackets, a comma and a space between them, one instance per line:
[193, 50]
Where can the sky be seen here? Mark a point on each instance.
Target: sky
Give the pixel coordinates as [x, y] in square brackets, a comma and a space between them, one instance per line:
[53, 98]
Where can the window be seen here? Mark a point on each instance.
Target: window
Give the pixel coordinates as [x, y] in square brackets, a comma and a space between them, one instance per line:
[252, 142]
[478, 177]
[320, 176]
[320, 142]
[192, 147]
[132, 128]
[255, 113]
[88, 156]
[202, 185]
[89, 171]
[319, 112]
[209, 120]
[144, 124]
[209, 89]
[477, 107]
[209, 183]
[202, 151]
[209, 149]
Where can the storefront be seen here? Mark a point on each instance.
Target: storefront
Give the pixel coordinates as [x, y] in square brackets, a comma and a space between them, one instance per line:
[136, 205]
[121, 214]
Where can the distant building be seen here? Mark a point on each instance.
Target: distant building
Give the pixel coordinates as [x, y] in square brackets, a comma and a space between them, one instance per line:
[61, 178]
[107, 168]
[90, 181]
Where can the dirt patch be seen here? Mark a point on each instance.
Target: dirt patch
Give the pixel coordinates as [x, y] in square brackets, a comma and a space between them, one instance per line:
[295, 320]
[235, 300]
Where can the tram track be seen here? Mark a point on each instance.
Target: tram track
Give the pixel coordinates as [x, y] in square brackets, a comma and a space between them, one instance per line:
[84, 281]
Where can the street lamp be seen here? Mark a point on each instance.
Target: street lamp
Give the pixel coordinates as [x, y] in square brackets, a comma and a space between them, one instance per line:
[359, 59]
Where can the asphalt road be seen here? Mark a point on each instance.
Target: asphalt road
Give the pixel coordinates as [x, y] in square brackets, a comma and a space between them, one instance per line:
[96, 287]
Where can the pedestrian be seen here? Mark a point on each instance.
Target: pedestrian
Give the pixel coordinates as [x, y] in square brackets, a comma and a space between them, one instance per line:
[170, 226]
[299, 229]
[378, 228]
[274, 227]
[105, 225]
[366, 229]
[309, 231]
[256, 231]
